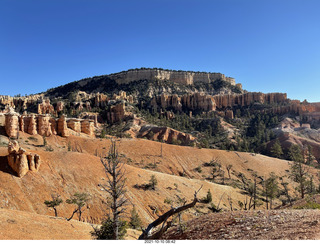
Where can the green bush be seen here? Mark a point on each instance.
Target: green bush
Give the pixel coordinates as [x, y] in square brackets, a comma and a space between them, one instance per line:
[309, 205]
[105, 232]
[135, 221]
[198, 169]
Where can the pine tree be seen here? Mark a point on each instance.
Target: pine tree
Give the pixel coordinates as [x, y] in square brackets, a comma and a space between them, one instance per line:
[272, 187]
[135, 221]
[298, 172]
[276, 149]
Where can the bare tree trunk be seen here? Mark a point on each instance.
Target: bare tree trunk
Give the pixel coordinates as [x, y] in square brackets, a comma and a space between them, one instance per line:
[163, 219]
[255, 193]
[115, 173]
[76, 210]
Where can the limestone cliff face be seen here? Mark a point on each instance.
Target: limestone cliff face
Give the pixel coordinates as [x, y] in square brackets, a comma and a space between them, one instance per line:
[207, 103]
[246, 99]
[190, 101]
[182, 77]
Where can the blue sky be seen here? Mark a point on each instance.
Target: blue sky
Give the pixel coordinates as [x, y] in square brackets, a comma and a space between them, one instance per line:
[268, 46]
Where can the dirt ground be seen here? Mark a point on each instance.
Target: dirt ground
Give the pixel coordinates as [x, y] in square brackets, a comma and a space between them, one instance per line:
[20, 225]
[252, 225]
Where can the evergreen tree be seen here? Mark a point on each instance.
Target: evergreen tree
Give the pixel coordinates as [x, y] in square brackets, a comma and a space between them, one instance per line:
[56, 201]
[105, 232]
[80, 200]
[276, 149]
[309, 156]
[272, 187]
[153, 182]
[135, 221]
[298, 172]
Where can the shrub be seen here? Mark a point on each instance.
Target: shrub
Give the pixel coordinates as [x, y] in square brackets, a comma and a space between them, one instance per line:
[105, 232]
[198, 169]
[135, 221]
[208, 198]
[32, 138]
[153, 182]
[168, 201]
[309, 205]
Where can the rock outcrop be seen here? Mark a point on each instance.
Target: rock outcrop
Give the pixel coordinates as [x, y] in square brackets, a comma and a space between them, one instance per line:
[12, 124]
[165, 134]
[87, 127]
[45, 125]
[21, 161]
[182, 77]
[75, 125]
[59, 106]
[45, 107]
[207, 103]
[62, 127]
[196, 101]
[32, 127]
[246, 99]
[116, 113]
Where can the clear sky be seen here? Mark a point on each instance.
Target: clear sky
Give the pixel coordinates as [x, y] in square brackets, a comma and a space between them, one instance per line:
[268, 46]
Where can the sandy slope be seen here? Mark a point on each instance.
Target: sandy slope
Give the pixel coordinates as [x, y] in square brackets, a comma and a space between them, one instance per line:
[66, 172]
[21, 225]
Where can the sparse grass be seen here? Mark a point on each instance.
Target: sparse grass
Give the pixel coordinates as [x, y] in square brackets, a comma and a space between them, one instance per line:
[32, 138]
[151, 166]
[309, 205]
[168, 201]
[49, 148]
[3, 144]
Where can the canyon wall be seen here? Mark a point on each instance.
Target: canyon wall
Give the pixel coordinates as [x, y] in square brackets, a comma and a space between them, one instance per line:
[182, 77]
[207, 103]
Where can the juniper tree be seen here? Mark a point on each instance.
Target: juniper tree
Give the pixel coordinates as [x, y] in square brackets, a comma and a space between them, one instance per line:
[56, 201]
[153, 182]
[80, 200]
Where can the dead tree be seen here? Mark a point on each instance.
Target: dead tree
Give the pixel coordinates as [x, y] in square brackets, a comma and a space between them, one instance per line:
[115, 173]
[163, 219]
[229, 167]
